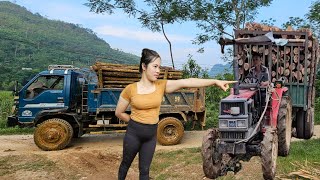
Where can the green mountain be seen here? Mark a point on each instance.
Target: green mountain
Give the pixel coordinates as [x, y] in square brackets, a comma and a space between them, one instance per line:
[29, 43]
[220, 69]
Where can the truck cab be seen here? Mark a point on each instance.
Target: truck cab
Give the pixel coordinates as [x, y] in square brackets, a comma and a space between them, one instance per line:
[52, 91]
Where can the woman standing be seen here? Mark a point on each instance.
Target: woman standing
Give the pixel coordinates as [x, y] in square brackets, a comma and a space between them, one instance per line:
[145, 97]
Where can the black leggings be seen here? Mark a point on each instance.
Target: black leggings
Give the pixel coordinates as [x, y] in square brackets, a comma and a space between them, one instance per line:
[139, 138]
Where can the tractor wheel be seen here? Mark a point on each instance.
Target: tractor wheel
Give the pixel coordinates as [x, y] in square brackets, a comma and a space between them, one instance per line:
[284, 126]
[211, 159]
[309, 123]
[170, 131]
[269, 154]
[53, 134]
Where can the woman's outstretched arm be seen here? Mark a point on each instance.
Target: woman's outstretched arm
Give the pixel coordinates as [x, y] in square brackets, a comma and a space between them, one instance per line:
[174, 85]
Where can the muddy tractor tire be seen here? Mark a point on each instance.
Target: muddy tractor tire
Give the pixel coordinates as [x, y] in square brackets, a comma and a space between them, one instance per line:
[269, 154]
[170, 131]
[284, 126]
[211, 159]
[53, 134]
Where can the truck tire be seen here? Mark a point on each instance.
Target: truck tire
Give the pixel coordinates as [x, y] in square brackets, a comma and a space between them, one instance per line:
[170, 131]
[305, 123]
[309, 123]
[300, 123]
[284, 126]
[53, 134]
[211, 159]
[269, 153]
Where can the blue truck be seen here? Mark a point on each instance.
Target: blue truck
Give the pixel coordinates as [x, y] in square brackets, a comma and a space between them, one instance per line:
[65, 102]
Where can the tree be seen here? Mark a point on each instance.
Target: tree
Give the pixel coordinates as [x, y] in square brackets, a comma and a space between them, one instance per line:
[191, 69]
[314, 16]
[213, 17]
[216, 17]
[154, 15]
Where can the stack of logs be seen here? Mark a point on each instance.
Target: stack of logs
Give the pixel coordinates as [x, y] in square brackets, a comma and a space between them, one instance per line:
[120, 75]
[294, 62]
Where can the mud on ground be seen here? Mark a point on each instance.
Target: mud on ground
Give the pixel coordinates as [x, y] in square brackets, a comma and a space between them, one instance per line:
[95, 157]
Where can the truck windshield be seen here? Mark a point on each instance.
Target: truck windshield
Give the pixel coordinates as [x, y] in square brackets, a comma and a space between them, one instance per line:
[43, 83]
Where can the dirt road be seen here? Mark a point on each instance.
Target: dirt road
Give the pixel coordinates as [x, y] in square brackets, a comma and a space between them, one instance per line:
[88, 157]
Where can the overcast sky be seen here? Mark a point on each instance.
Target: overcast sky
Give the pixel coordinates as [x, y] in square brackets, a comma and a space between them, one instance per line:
[127, 34]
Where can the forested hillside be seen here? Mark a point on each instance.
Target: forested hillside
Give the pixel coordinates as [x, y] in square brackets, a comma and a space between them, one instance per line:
[30, 42]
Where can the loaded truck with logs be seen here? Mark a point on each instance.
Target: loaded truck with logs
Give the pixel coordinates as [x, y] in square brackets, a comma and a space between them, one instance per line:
[250, 127]
[64, 102]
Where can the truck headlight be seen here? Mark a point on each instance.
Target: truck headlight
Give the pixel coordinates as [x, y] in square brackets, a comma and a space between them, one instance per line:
[241, 123]
[223, 123]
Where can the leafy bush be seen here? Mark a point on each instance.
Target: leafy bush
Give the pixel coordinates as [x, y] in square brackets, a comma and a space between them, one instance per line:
[6, 103]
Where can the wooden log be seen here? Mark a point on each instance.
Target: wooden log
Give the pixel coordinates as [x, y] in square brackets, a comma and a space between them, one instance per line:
[292, 66]
[298, 75]
[310, 44]
[246, 66]
[296, 50]
[117, 82]
[280, 70]
[110, 69]
[285, 79]
[121, 74]
[287, 64]
[286, 72]
[240, 62]
[296, 58]
[241, 70]
[255, 48]
[261, 50]
[309, 55]
[287, 50]
[303, 71]
[120, 79]
[299, 67]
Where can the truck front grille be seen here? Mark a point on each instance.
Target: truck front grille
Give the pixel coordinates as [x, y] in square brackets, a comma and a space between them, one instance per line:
[233, 135]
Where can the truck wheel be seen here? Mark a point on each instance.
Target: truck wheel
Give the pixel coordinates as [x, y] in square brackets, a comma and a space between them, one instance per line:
[309, 123]
[300, 123]
[170, 131]
[284, 126]
[269, 153]
[211, 159]
[53, 134]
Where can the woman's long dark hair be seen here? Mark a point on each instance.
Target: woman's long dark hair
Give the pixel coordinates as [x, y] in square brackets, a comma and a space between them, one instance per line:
[147, 56]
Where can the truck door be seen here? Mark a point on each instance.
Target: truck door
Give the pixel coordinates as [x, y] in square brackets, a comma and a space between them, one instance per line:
[44, 92]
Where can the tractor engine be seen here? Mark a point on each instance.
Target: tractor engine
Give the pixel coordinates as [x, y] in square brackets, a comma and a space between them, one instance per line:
[237, 121]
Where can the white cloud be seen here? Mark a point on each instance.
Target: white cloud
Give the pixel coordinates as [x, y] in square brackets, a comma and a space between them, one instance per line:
[130, 33]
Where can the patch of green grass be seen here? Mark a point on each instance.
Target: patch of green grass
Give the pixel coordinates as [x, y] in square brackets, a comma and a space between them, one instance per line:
[301, 152]
[11, 164]
[16, 130]
[166, 163]
[6, 103]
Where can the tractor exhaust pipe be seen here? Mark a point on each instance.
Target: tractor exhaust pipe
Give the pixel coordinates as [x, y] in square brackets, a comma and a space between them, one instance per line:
[236, 74]
[224, 41]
